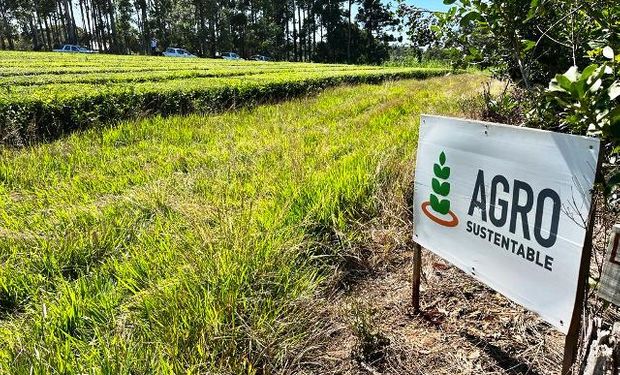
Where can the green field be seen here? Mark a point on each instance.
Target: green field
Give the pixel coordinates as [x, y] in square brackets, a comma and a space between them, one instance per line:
[196, 244]
[46, 95]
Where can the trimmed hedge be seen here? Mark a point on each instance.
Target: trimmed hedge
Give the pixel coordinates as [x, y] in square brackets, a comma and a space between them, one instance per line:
[28, 119]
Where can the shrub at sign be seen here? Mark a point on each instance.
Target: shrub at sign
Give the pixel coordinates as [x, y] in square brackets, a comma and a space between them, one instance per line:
[511, 214]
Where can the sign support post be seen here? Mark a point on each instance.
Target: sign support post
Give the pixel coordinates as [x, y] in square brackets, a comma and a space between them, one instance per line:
[415, 283]
[571, 344]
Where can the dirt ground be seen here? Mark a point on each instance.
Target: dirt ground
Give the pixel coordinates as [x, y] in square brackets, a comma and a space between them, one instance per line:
[464, 327]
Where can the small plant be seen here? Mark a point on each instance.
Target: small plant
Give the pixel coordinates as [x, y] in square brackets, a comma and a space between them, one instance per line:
[371, 345]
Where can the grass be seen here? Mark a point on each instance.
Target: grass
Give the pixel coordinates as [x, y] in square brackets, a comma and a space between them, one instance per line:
[44, 96]
[195, 244]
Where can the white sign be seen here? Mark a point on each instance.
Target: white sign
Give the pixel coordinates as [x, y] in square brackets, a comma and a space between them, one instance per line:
[508, 205]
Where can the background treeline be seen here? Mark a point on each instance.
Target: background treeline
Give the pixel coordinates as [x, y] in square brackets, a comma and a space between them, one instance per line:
[356, 31]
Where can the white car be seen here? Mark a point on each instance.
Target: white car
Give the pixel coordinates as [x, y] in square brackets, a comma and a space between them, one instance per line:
[73, 48]
[230, 56]
[177, 52]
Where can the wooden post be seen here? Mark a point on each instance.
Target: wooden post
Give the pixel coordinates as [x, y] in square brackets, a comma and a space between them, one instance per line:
[415, 282]
[571, 344]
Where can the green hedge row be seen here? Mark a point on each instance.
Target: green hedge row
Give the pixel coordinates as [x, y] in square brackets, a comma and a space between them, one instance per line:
[27, 121]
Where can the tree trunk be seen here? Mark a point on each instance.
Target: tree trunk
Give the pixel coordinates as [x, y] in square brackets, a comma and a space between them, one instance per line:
[202, 27]
[294, 33]
[313, 31]
[213, 41]
[349, 34]
[516, 50]
[286, 44]
[63, 9]
[86, 28]
[33, 31]
[102, 28]
[301, 40]
[50, 34]
[46, 41]
[73, 26]
[112, 17]
[146, 29]
[9, 34]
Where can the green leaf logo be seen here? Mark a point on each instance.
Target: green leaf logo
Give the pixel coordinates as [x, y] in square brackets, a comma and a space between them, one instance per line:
[439, 202]
[440, 187]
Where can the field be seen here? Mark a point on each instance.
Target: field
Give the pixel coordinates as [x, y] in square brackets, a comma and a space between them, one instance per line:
[46, 95]
[197, 244]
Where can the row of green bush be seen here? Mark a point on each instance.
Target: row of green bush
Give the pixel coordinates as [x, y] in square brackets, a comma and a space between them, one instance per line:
[9, 82]
[33, 119]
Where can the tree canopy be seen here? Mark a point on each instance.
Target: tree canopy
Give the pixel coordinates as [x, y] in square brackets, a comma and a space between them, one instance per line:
[355, 31]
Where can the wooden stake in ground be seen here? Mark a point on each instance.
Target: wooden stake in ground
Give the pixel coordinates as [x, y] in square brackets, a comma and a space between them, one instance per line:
[571, 346]
[415, 283]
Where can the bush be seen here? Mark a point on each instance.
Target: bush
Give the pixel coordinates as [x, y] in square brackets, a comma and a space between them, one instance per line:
[34, 115]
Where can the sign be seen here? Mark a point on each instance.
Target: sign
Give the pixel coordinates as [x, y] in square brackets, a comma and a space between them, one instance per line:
[609, 288]
[508, 205]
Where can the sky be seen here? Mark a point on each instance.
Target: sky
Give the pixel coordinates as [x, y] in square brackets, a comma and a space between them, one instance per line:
[429, 4]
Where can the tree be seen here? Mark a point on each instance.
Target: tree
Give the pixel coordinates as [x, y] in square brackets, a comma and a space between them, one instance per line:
[301, 30]
[377, 21]
[417, 24]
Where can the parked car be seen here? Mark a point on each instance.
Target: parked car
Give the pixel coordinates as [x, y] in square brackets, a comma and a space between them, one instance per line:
[260, 58]
[177, 52]
[73, 48]
[230, 56]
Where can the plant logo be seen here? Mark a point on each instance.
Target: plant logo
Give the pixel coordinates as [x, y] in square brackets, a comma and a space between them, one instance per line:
[439, 204]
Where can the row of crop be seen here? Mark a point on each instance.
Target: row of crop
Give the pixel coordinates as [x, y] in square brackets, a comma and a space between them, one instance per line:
[67, 60]
[138, 62]
[26, 72]
[65, 91]
[151, 75]
[26, 120]
[8, 69]
[30, 70]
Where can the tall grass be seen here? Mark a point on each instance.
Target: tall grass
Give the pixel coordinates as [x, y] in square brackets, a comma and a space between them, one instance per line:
[194, 244]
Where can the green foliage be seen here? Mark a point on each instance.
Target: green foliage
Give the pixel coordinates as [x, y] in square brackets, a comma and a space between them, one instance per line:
[42, 96]
[412, 57]
[589, 103]
[371, 345]
[310, 30]
[531, 41]
[587, 100]
[418, 25]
